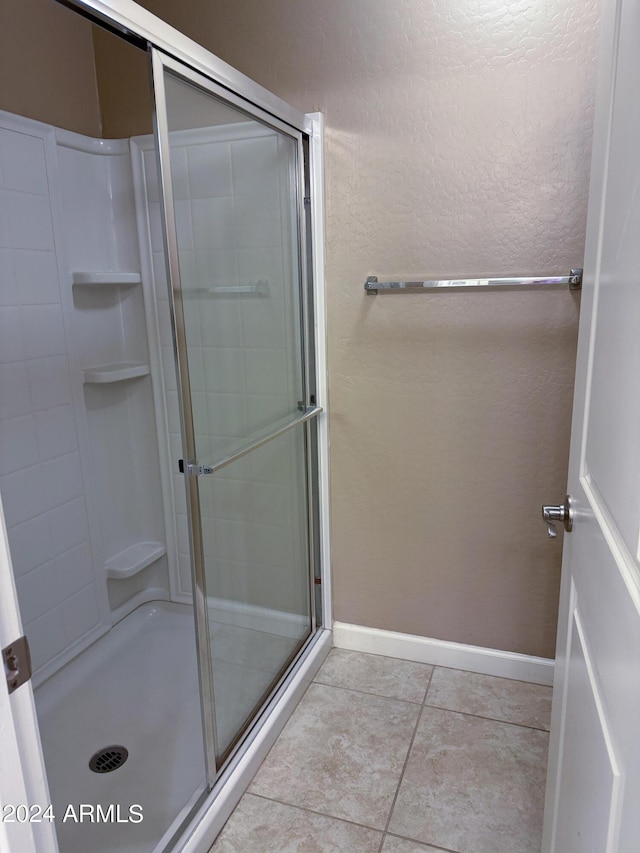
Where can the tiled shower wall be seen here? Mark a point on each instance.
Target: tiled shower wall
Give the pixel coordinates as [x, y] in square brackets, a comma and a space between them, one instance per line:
[234, 229]
[41, 479]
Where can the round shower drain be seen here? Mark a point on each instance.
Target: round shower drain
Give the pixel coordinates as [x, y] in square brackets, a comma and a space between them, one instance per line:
[109, 758]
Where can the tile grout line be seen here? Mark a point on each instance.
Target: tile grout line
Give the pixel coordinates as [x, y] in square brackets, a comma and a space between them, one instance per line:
[489, 719]
[415, 841]
[313, 811]
[486, 675]
[369, 693]
[426, 692]
[426, 704]
[404, 766]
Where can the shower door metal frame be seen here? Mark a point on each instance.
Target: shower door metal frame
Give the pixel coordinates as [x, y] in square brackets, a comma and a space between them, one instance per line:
[163, 156]
[161, 63]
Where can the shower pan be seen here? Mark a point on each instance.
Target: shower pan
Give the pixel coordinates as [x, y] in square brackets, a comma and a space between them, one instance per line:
[174, 634]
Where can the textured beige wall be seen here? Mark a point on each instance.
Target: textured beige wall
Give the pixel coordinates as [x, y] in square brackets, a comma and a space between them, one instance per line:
[123, 75]
[458, 142]
[46, 65]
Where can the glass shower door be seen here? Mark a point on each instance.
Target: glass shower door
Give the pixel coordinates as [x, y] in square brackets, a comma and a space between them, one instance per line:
[232, 203]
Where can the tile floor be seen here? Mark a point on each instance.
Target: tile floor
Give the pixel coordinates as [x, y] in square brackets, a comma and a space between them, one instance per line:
[389, 756]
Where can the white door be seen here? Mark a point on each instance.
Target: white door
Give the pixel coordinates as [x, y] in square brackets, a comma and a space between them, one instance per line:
[593, 790]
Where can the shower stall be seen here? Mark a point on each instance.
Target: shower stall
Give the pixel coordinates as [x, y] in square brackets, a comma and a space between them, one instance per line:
[163, 442]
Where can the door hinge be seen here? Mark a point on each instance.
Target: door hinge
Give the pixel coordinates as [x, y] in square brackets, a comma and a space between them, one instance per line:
[317, 581]
[17, 663]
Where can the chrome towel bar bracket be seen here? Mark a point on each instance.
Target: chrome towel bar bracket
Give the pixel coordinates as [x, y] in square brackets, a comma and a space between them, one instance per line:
[574, 281]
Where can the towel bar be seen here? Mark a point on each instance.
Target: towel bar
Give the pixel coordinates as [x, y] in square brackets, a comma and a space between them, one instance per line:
[574, 281]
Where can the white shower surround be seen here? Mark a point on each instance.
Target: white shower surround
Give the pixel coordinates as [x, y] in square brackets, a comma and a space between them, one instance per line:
[112, 324]
[37, 383]
[69, 209]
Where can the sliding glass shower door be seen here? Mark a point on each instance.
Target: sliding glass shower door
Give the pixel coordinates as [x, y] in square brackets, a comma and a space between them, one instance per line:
[234, 216]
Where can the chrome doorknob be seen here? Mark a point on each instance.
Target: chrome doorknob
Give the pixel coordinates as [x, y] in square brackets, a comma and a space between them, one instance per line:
[562, 514]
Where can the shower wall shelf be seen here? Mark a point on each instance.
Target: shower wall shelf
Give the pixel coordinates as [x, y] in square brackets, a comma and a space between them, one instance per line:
[111, 306]
[134, 559]
[105, 277]
[120, 372]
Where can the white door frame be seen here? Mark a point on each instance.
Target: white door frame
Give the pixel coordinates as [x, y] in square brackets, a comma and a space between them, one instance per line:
[22, 777]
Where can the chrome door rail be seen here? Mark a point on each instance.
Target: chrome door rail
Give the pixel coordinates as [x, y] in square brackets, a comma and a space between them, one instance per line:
[574, 281]
[197, 469]
[167, 211]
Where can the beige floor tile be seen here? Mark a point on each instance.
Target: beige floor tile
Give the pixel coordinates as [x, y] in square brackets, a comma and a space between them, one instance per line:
[341, 753]
[473, 785]
[262, 826]
[401, 845]
[396, 679]
[486, 696]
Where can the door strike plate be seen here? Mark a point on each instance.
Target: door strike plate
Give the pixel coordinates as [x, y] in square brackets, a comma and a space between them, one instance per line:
[17, 663]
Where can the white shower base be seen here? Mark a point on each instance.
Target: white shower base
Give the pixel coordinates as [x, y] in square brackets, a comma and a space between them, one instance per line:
[137, 686]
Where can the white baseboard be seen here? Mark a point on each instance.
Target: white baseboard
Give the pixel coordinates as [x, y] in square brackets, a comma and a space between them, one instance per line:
[375, 641]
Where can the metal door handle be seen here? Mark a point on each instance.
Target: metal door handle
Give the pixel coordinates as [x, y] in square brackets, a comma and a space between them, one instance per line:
[558, 514]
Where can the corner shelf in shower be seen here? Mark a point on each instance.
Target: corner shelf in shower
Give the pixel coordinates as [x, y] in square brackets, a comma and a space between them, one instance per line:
[105, 277]
[120, 372]
[134, 559]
